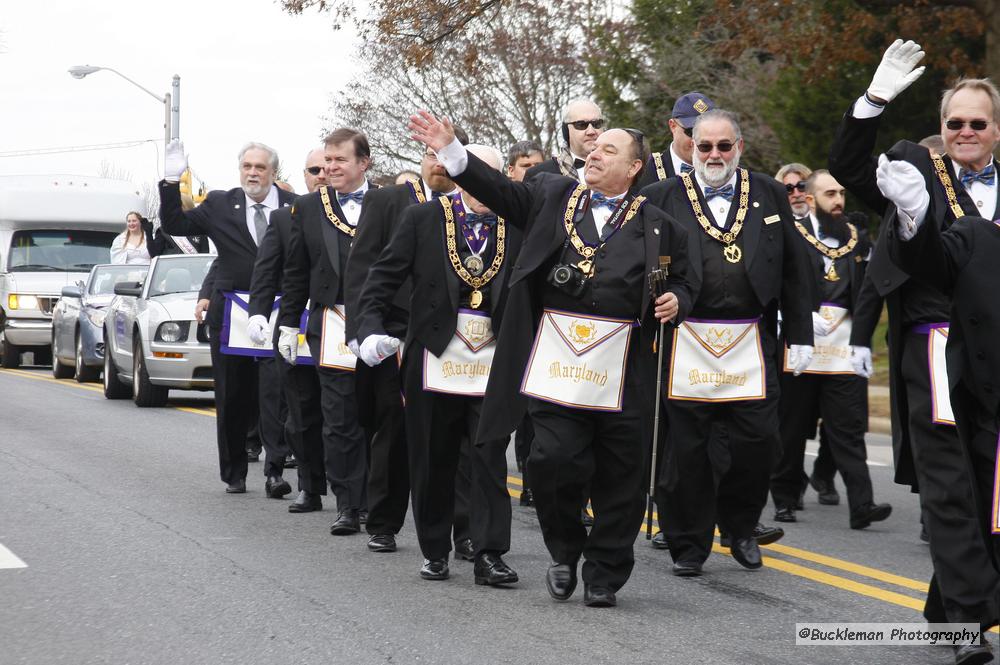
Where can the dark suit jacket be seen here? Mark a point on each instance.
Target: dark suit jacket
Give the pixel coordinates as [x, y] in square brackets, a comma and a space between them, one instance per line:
[962, 261]
[550, 165]
[380, 215]
[537, 207]
[221, 217]
[649, 175]
[313, 269]
[774, 254]
[418, 250]
[270, 266]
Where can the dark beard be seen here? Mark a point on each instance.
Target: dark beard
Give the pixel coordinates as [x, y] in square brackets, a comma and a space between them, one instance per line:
[833, 226]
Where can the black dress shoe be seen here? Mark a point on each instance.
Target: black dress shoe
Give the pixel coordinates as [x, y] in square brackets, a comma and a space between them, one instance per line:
[490, 570]
[560, 580]
[827, 491]
[598, 596]
[973, 654]
[346, 523]
[659, 541]
[784, 514]
[238, 487]
[291, 462]
[527, 498]
[586, 518]
[253, 455]
[747, 553]
[764, 535]
[868, 513]
[382, 542]
[276, 487]
[434, 569]
[686, 569]
[306, 502]
[464, 550]
[362, 517]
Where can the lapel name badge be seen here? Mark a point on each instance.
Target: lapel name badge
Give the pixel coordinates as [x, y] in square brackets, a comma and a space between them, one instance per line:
[771, 219]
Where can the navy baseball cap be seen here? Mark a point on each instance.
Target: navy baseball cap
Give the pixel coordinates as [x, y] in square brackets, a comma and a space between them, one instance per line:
[688, 107]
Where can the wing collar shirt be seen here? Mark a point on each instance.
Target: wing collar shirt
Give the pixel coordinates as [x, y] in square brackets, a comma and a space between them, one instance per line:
[718, 207]
[352, 209]
[676, 160]
[270, 202]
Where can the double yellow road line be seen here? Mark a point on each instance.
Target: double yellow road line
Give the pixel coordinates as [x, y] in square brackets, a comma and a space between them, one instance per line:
[895, 589]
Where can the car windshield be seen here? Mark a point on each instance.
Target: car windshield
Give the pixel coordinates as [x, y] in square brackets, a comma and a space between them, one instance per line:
[58, 251]
[104, 278]
[179, 275]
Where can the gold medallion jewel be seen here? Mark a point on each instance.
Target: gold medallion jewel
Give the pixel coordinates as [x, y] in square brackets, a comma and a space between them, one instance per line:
[477, 282]
[731, 251]
[474, 264]
[949, 189]
[829, 252]
[324, 195]
[831, 274]
[587, 264]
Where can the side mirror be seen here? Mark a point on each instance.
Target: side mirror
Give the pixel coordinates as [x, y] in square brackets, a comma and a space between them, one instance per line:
[71, 292]
[128, 289]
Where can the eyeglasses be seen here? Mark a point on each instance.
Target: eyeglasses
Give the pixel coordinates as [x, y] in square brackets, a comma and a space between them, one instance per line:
[976, 125]
[314, 170]
[581, 125]
[723, 146]
[801, 186]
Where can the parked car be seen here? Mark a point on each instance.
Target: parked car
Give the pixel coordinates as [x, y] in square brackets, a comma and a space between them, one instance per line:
[78, 321]
[151, 341]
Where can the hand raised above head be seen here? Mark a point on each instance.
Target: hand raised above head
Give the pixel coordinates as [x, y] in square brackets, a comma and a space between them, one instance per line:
[432, 132]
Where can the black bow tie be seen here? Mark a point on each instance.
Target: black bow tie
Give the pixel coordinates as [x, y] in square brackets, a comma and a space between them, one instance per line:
[579, 163]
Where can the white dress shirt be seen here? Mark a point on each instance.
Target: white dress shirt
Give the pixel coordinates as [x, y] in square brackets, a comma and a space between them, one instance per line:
[270, 203]
[718, 207]
[352, 210]
[602, 214]
[579, 171]
[829, 241]
[675, 160]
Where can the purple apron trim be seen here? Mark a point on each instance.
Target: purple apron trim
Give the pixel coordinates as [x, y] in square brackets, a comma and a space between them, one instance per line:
[926, 328]
[755, 320]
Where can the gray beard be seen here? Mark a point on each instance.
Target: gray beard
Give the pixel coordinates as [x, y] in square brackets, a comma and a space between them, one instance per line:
[716, 181]
[254, 192]
[800, 210]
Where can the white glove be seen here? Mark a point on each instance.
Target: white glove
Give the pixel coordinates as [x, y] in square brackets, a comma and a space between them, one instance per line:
[901, 182]
[175, 162]
[799, 357]
[288, 343]
[861, 361]
[376, 348]
[354, 347]
[896, 71]
[258, 329]
[821, 327]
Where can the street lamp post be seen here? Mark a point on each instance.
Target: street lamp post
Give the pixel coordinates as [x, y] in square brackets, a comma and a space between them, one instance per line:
[171, 103]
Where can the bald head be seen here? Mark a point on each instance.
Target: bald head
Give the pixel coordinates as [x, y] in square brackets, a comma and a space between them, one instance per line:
[315, 161]
[586, 113]
[489, 155]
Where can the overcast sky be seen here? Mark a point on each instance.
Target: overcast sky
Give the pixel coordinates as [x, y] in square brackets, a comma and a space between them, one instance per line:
[248, 71]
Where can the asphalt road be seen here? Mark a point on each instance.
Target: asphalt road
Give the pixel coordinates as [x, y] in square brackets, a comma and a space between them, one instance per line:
[133, 554]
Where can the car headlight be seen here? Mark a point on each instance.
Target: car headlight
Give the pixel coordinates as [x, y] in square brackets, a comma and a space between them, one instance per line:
[21, 301]
[96, 316]
[172, 331]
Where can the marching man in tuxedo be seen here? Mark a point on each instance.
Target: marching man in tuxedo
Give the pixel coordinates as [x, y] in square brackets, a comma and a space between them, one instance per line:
[322, 230]
[909, 183]
[676, 159]
[576, 345]
[747, 260]
[582, 122]
[454, 249]
[235, 221]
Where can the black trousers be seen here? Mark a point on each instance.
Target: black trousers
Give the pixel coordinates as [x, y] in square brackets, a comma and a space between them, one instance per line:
[842, 402]
[304, 429]
[575, 449]
[379, 394]
[716, 469]
[965, 581]
[523, 437]
[436, 425]
[273, 410]
[235, 408]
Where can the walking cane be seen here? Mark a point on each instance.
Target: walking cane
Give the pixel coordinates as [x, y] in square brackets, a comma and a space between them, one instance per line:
[657, 287]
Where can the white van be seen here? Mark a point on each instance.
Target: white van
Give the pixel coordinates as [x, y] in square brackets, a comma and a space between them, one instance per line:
[53, 230]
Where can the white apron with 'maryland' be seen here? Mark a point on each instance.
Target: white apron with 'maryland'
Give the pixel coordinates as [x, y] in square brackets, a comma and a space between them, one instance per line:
[333, 345]
[579, 361]
[235, 340]
[464, 367]
[831, 352]
[717, 361]
[937, 340]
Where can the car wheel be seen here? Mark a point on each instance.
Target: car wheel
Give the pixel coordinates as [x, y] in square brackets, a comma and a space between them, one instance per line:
[113, 386]
[59, 370]
[81, 372]
[145, 393]
[11, 354]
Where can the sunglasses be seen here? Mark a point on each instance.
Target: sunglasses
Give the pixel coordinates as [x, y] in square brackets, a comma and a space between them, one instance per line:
[314, 170]
[688, 131]
[723, 146]
[976, 125]
[801, 186]
[581, 125]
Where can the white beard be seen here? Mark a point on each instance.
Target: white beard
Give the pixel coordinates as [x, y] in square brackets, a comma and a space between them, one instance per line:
[256, 191]
[715, 177]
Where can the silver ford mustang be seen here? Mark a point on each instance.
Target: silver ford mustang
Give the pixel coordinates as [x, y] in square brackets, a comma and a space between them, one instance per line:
[152, 342]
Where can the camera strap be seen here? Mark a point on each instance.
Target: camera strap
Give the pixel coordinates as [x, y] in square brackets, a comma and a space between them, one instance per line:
[576, 208]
